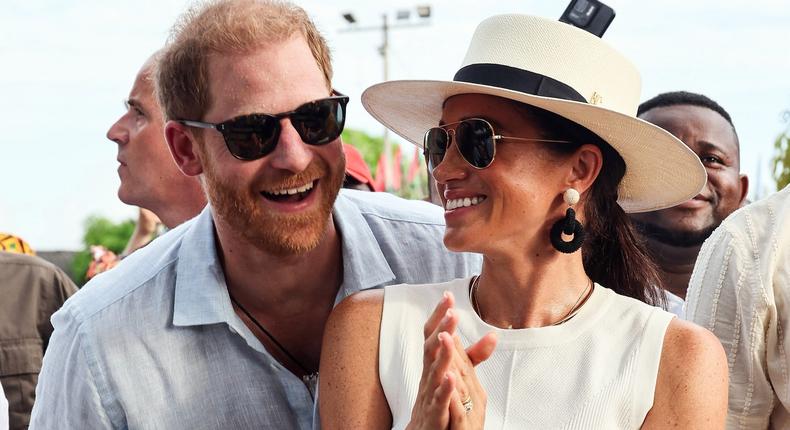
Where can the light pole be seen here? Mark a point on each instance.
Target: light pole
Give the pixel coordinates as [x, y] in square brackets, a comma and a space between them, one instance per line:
[402, 21]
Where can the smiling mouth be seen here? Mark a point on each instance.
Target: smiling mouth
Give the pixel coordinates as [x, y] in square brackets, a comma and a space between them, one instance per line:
[464, 202]
[291, 195]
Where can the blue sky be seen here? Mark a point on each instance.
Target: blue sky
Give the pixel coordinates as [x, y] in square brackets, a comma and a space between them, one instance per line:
[67, 66]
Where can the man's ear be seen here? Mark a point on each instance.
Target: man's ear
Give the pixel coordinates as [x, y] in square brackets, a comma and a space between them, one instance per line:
[744, 180]
[183, 148]
[586, 165]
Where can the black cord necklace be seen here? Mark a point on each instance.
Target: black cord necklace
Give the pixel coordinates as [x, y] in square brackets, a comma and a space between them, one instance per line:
[308, 378]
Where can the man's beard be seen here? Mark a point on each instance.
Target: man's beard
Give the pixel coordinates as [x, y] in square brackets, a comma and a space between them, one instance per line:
[682, 239]
[275, 233]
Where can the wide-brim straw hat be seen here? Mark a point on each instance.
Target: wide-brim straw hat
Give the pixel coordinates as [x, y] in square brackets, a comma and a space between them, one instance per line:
[565, 70]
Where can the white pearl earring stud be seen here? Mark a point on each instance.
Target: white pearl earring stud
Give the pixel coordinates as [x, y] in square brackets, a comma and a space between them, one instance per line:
[571, 196]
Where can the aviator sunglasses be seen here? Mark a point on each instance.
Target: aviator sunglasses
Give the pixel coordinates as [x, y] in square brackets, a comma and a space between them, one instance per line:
[250, 137]
[475, 139]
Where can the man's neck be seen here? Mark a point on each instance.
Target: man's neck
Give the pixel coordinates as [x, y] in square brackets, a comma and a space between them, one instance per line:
[174, 213]
[290, 296]
[675, 264]
[271, 283]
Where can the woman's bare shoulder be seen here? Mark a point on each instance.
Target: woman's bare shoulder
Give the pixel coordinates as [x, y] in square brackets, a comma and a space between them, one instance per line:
[686, 342]
[349, 366]
[355, 322]
[691, 390]
[359, 307]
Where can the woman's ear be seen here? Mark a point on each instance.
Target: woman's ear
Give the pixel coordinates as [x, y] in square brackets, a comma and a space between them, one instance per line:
[586, 165]
[183, 148]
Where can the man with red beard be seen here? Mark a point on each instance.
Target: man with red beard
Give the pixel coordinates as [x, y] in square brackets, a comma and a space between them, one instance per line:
[675, 235]
[218, 323]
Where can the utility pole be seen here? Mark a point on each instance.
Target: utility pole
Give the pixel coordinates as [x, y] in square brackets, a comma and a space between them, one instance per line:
[424, 13]
[384, 50]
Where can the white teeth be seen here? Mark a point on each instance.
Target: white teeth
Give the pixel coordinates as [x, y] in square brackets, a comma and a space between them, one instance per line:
[291, 191]
[464, 202]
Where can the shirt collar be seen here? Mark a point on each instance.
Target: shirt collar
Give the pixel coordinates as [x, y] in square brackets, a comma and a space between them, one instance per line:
[364, 264]
[201, 295]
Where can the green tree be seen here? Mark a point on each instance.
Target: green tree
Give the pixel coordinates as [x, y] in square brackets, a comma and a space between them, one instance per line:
[372, 147]
[417, 188]
[100, 231]
[781, 158]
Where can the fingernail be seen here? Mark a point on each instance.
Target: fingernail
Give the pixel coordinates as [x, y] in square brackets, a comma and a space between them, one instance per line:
[448, 314]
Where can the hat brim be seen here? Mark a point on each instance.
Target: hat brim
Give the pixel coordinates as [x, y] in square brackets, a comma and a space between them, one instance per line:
[661, 171]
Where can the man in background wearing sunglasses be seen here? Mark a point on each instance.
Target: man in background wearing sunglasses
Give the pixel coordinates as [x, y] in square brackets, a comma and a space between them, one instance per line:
[218, 323]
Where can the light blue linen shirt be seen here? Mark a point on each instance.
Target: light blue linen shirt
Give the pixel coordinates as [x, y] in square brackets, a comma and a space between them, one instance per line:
[155, 343]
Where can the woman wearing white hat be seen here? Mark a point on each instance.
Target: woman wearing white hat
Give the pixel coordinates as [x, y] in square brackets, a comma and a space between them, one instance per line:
[537, 155]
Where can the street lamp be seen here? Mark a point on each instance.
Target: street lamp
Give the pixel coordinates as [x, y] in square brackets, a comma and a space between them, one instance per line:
[349, 17]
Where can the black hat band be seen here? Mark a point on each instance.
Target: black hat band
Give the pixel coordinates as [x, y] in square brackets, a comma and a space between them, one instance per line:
[512, 78]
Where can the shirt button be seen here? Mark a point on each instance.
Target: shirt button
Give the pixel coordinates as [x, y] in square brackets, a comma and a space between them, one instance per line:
[233, 330]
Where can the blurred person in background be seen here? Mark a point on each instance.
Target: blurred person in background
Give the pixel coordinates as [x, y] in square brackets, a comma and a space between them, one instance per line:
[149, 177]
[31, 290]
[674, 235]
[358, 174]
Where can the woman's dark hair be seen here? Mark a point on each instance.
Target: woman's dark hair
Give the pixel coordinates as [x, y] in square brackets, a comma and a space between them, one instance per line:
[614, 255]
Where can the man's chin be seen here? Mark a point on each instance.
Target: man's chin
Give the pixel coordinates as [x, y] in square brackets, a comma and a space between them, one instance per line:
[289, 236]
[278, 233]
[685, 238]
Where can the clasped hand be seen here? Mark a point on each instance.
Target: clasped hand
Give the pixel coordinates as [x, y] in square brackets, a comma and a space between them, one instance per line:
[450, 395]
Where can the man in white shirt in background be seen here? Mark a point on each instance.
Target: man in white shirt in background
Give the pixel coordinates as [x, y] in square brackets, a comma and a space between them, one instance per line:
[674, 235]
[740, 290]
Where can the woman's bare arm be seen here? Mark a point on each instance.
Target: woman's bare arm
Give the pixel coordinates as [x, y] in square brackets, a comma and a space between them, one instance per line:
[691, 391]
[350, 393]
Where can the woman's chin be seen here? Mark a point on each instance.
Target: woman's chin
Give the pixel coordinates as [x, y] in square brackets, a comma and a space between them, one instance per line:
[457, 242]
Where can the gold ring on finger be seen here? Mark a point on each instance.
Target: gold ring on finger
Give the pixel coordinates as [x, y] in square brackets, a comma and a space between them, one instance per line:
[467, 404]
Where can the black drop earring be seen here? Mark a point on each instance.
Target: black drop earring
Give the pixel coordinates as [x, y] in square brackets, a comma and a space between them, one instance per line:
[569, 226]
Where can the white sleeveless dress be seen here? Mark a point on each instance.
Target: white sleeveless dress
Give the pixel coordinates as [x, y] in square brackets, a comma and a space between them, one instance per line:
[596, 371]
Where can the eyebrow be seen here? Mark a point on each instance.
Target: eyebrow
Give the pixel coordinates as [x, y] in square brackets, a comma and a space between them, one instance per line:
[704, 144]
[132, 102]
[496, 125]
[710, 146]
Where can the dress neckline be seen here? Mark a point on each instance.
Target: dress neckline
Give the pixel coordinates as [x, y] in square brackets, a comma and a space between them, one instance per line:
[474, 327]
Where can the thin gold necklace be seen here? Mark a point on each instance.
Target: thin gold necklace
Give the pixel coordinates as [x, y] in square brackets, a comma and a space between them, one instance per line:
[574, 309]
